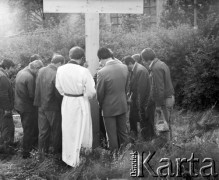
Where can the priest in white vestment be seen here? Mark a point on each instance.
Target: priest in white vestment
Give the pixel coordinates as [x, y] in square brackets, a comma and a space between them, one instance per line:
[76, 84]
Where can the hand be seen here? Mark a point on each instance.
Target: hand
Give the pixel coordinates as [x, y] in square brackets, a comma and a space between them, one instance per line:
[7, 112]
[129, 100]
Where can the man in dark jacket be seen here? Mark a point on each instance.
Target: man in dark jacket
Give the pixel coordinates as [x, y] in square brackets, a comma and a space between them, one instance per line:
[111, 95]
[24, 98]
[162, 92]
[139, 90]
[48, 100]
[6, 102]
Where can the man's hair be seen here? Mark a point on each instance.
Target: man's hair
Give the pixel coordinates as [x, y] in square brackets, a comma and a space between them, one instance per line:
[148, 54]
[76, 53]
[35, 57]
[104, 53]
[137, 57]
[57, 58]
[6, 63]
[128, 59]
[37, 64]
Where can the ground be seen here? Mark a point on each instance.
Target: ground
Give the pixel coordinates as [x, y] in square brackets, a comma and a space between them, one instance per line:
[196, 133]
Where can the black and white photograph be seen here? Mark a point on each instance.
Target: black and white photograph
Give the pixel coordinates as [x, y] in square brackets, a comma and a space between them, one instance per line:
[109, 89]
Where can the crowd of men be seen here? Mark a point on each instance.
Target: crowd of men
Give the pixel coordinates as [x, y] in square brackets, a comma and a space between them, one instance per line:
[53, 101]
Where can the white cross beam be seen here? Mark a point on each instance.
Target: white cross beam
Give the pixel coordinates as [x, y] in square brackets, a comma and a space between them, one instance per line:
[92, 8]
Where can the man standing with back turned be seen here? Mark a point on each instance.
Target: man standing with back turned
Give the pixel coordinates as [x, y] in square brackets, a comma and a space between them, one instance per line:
[139, 90]
[24, 98]
[76, 84]
[6, 102]
[162, 89]
[48, 100]
[111, 93]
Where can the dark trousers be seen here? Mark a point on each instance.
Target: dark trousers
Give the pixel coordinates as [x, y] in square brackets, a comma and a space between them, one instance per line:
[116, 130]
[137, 115]
[146, 119]
[134, 118]
[30, 130]
[102, 129]
[6, 128]
[149, 131]
[49, 123]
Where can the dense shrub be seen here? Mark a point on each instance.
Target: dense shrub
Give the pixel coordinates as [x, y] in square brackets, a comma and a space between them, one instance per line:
[201, 88]
[191, 55]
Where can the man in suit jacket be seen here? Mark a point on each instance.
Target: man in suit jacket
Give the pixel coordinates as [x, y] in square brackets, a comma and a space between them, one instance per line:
[111, 95]
[48, 100]
[139, 90]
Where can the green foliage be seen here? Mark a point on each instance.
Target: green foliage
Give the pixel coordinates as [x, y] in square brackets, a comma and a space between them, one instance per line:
[30, 15]
[45, 42]
[201, 88]
[192, 55]
[182, 11]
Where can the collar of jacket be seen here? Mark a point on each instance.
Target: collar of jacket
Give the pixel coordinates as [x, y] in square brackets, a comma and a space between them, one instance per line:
[52, 66]
[153, 63]
[3, 71]
[28, 69]
[112, 61]
[134, 67]
[72, 61]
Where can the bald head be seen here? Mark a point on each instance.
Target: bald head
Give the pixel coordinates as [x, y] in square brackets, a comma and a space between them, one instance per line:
[76, 53]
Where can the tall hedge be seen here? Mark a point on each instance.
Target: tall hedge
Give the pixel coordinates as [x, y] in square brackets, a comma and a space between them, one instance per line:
[191, 56]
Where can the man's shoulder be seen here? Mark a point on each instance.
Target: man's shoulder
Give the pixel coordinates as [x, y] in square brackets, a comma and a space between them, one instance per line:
[42, 70]
[158, 65]
[113, 67]
[2, 72]
[24, 74]
[141, 68]
[63, 68]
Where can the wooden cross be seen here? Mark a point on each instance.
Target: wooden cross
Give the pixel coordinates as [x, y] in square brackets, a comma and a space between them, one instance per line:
[92, 8]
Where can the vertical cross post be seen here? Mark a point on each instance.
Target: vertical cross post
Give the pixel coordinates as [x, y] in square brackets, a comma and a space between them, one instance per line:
[92, 40]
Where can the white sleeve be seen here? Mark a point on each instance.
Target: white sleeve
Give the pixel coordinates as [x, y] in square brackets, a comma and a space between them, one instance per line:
[89, 86]
[58, 84]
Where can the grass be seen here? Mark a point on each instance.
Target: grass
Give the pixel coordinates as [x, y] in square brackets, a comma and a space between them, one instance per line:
[196, 133]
